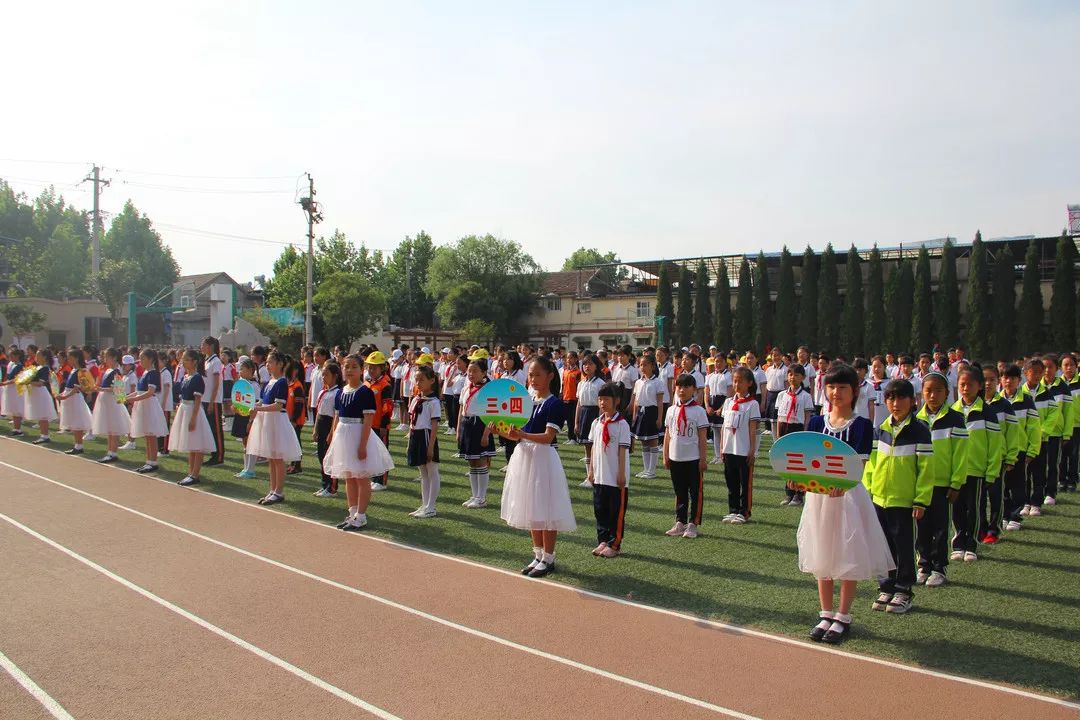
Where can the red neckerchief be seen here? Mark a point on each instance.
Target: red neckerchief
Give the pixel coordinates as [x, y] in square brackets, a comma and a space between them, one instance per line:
[681, 422]
[604, 423]
[414, 408]
[737, 403]
[468, 398]
[794, 403]
[322, 392]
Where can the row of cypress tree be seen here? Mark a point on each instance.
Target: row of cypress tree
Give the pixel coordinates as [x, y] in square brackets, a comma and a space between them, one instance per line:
[903, 312]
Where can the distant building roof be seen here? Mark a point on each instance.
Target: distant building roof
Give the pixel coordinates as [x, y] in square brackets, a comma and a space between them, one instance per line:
[566, 282]
[203, 279]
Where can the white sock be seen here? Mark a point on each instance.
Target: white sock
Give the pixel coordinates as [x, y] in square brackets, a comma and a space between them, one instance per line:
[352, 511]
[650, 460]
[547, 558]
[716, 442]
[425, 484]
[474, 482]
[434, 483]
[538, 553]
[588, 465]
[483, 475]
[78, 446]
[645, 452]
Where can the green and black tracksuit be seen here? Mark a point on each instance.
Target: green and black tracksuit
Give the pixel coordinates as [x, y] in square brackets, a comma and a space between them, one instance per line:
[948, 435]
[983, 462]
[1060, 418]
[1004, 453]
[1070, 451]
[1029, 445]
[1036, 475]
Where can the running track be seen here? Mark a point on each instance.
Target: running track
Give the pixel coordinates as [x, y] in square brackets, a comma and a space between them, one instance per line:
[124, 596]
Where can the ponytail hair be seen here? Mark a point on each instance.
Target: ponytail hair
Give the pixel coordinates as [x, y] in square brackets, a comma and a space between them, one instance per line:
[213, 342]
[549, 367]
[152, 354]
[196, 357]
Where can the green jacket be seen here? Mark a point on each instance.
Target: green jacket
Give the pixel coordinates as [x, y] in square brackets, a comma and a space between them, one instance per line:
[1061, 411]
[1044, 405]
[983, 452]
[900, 472]
[1074, 393]
[1010, 431]
[948, 435]
[1027, 420]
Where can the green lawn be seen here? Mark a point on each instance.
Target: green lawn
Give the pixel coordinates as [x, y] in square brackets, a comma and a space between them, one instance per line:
[1013, 616]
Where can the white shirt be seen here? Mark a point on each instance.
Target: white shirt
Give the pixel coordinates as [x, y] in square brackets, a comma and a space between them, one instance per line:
[795, 407]
[264, 375]
[761, 379]
[866, 397]
[166, 390]
[878, 399]
[809, 374]
[517, 376]
[326, 404]
[427, 409]
[648, 392]
[735, 437]
[667, 374]
[131, 382]
[605, 461]
[683, 443]
[819, 390]
[454, 382]
[316, 387]
[719, 386]
[588, 391]
[699, 379]
[213, 367]
[625, 376]
[776, 378]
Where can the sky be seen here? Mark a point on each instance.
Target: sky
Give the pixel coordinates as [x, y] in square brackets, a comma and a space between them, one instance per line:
[663, 129]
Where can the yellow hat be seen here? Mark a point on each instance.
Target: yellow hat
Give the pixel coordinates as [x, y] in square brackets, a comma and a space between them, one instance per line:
[425, 359]
[480, 354]
[375, 358]
[710, 361]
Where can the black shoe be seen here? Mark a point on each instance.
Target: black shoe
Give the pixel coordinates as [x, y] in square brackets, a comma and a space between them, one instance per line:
[108, 459]
[147, 468]
[542, 569]
[211, 463]
[352, 528]
[832, 637]
[17, 433]
[341, 525]
[185, 482]
[529, 568]
[164, 453]
[43, 441]
[75, 451]
[817, 632]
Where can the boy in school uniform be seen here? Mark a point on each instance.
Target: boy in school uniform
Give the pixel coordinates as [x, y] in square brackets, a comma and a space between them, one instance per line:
[686, 426]
[1036, 470]
[609, 471]
[793, 410]
[742, 416]
[1029, 443]
[1060, 418]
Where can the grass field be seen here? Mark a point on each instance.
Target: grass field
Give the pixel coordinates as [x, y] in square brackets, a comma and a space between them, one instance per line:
[1013, 616]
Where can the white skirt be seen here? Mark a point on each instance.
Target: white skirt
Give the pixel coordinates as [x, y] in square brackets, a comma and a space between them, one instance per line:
[148, 419]
[535, 495]
[272, 437]
[39, 404]
[75, 414]
[181, 440]
[11, 402]
[110, 417]
[341, 460]
[841, 538]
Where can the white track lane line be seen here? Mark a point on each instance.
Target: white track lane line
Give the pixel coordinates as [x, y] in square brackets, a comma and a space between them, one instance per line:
[54, 708]
[254, 649]
[664, 692]
[518, 577]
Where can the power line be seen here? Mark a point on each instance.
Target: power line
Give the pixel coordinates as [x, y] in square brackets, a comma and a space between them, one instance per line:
[207, 191]
[225, 236]
[206, 177]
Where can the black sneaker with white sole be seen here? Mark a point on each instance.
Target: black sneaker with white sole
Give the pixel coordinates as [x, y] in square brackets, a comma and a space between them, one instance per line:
[901, 602]
[882, 602]
[188, 481]
[43, 441]
[147, 468]
[75, 451]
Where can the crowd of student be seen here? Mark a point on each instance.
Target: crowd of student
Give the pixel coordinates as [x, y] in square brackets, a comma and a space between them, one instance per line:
[947, 443]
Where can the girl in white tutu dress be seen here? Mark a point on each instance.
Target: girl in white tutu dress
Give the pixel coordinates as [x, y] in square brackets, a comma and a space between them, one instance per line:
[272, 435]
[75, 414]
[11, 403]
[356, 453]
[147, 417]
[111, 419]
[191, 432]
[535, 495]
[839, 535]
[40, 406]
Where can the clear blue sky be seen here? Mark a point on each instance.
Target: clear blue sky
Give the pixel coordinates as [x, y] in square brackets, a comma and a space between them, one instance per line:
[652, 129]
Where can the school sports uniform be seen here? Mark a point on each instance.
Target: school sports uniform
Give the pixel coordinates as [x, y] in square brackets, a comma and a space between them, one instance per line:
[587, 395]
[984, 436]
[775, 383]
[212, 407]
[1070, 451]
[626, 376]
[610, 440]
[1029, 444]
[1061, 413]
[718, 387]
[948, 437]
[739, 413]
[647, 394]
[1036, 470]
[422, 410]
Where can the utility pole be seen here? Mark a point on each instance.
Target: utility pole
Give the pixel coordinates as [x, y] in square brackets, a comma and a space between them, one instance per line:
[310, 208]
[95, 239]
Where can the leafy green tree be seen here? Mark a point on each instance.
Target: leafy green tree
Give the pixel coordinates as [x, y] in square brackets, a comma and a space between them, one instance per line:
[407, 273]
[1029, 324]
[828, 315]
[875, 304]
[899, 304]
[808, 302]
[922, 338]
[22, 319]
[114, 281]
[288, 338]
[484, 278]
[785, 303]
[1063, 301]
[583, 257]
[685, 322]
[664, 307]
[285, 288]
[978, 305]
[349, 306]
[947, 313]
[63, 271]
[132, 238]
[744, 308]
[48, 249]
[1004, 300]
[722, 310]
[854, 304]
[703, 320]
[763, 325]
[480, 332]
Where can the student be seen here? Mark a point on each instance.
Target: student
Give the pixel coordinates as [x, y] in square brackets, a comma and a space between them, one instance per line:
[241, 424]
[423, 450]
[685, 456]
[405, 388]
[571, 375]
[878, 379]
[666, 373]
[40, 406]
[453, 382]
[742, 416]
[377, 381]
[689, 367]
[717, 390]
[644, 409]
[775, 384]
[588, 409]
[626, 374]
[355, 452]
[228, 378]
[864, 407]
[74, 412]
[901, 483]
[609, 471]
[271, 435]
[295, 406]
[1004, 452]
[319, 357]
[1029, 443]
[11, 403]
[111, 419]
[819, 385]
[794, 408]
[948, 436]
[535, 496]
[147, 417]
[1070, 449]
[512, 369]
[474, 441]
[329, 384]
[839, 535]
[1036, 469]
[131, 384]
[983, 437]
[214, 395]
[190, 432]
[1060, 414]
[165, 393]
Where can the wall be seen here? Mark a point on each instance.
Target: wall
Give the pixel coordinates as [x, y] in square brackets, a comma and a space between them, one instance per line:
[609, 321]
[66, 322]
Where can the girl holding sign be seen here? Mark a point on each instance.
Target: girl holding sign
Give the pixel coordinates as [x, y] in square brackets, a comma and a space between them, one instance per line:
[241, 423]
[475, 443]
[272, 435]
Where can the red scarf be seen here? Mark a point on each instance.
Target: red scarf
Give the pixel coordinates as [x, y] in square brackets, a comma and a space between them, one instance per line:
[737, 403]
[468, 398]
[604, 421]
[414, 408]
[794, 403]
[318, 401]
[681, 422]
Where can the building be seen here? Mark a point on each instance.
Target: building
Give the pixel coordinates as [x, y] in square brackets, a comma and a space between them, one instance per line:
[209, 303]
[78, 321]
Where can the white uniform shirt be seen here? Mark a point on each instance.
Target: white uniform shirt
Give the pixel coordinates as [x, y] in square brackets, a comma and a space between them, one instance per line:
[776, 378]
[719, 385]
[455, 382]
[648, 392]
[808, 378]
[214, 367]
[865, 399]
[264, 375]
[166, 390]
[819, 390]
[683, 444]
[699, 379]
[588, 391]
[625, 376]
[326, 404]
[667, 374]
[735, 438]
[761, 379]
[316, 387]
[131, 382]
[605, 461]
[427, 408]
[793, 409]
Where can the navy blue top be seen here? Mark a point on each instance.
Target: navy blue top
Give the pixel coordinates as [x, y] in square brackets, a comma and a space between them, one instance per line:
[191, 386]
[42, 375]
[859, 434]
[72, 380]
[275, 390]
[14, 368]
[355, 403]
[150, 377]
[107, 378]
[552, 411]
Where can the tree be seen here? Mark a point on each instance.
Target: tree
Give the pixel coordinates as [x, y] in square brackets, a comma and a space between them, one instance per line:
[978, 304]
[114, 281]
[480, 332]
[763, 326]
[1063, 300]
[947, 313]
[132, 238]
[484, 278]
[583, 257]
[703, 321]
[784, 319]
[875, 304]
[407, 274]
[828, 317]
[23, 319]
[349, 306]
[808, 302]
[664, 306]
[744, 309]
[1029, 325]
[722, 310]
[922, 331]
[899, 304]
[853, 304]
[50, 257]
[287, 337]
[1004, 325]
[685, 323]
[285, 289]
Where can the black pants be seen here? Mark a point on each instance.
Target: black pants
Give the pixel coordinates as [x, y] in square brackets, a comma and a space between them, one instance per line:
[782, 429]
[451, 402]
[1070, 450]
[163, 442]
[965, 514]
[1036, 479]
[609, 507]
[689, 484]
[900, 532]
[739, 490]
[508, 447]
[932, 538]
[1053, 467]
[300, 442]
[990, 508]
[1015, 495]
[323, 423]
[384, 435]
[571, 417]
[213, 416]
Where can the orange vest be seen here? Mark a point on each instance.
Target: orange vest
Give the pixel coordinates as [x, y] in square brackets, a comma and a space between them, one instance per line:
[384, 406]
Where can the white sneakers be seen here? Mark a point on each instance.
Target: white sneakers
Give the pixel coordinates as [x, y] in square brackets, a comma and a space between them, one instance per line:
[377, 487]
[1049, 501]
[676, 530]
[734, 519]
[585, 483]
[1026, 510]
[970, 557]
[936, 579]
[474, 503]
[691, 531]
[1012, 525]
[129, 445]
[1035, 511]
[956, 555]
